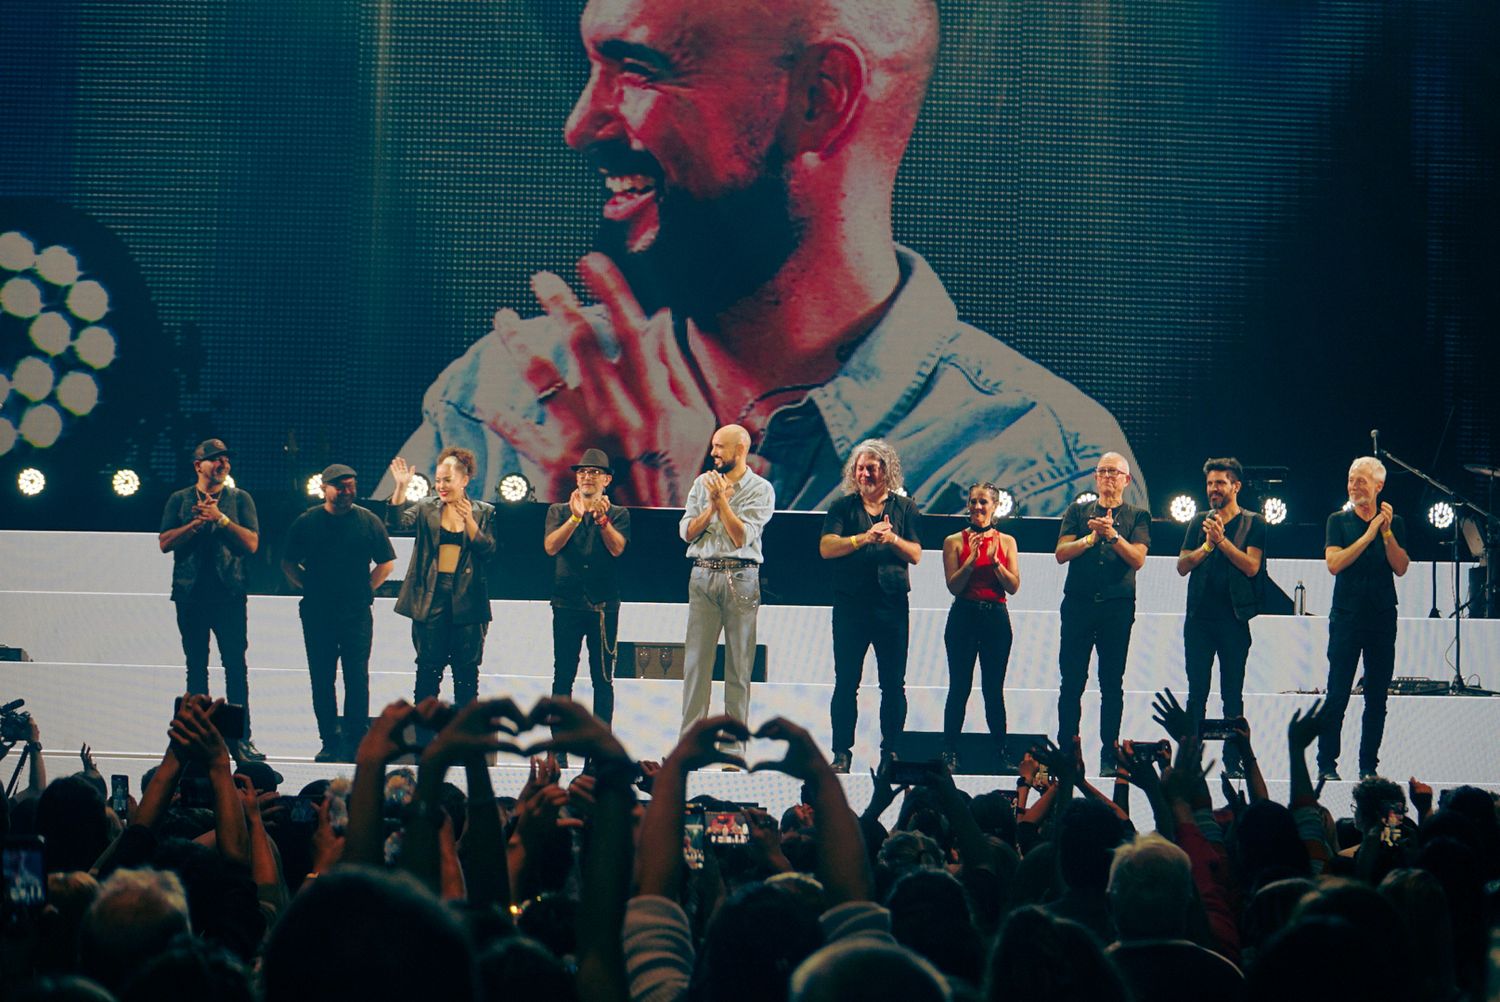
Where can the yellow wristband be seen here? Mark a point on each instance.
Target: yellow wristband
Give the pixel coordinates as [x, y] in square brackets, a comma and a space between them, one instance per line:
[575, 519]
[1208, 547]
[1092, 538]
[223, 521]
[854, 542]
[1386, 534]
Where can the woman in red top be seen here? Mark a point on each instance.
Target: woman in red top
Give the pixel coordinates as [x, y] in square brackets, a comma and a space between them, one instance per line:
[980, 566]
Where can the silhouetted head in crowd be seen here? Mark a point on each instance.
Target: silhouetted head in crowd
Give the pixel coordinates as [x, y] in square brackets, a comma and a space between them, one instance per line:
[136, 914]
[1150, 889]
[868, 972]
[1087, 834]
[1265, 846]
[1418, 900]
[70, 816]
[1374, 798]
[1459, 869]
[995, 815]
[1373, 919]
[221, 896]
[363, 935]
[1269, 910]
[1041, 958]
[753, 944]
[1316, 959]
[520, 967]
[930, 914]
[190, 969]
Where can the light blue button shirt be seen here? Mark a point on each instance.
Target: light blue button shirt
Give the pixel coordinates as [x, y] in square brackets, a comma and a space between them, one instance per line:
[957, 404]
[753, 501]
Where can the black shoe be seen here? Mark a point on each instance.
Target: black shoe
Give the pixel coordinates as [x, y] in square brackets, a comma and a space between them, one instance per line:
[1329, 775]
[328, 753]
[243, 751]
[950, 759]
[1368, 774]
[1108, 764]
[842, 761]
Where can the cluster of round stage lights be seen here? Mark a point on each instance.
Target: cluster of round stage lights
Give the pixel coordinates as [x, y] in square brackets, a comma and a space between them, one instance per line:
[124, 482]
[45, 290]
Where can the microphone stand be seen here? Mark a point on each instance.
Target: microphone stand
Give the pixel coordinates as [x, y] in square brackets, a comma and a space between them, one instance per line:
[1458, 687]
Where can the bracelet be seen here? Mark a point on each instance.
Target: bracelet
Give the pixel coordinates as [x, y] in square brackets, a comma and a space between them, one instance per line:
[1386, 534]
[602, 521]
[854, 542]
[1207, 547]
[223, 520]
[574, 519]
[1091, 538]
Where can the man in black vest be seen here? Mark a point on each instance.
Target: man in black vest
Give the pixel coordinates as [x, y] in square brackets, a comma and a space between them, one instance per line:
[210, 528]
[586, 534]
[1103, 542]
[1365, 551]
[1222, 555]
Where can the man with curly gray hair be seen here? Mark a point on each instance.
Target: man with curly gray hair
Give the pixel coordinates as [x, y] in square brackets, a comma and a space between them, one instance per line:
[872, 535]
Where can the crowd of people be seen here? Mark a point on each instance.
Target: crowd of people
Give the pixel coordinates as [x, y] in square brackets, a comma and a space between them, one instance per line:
[397, 883]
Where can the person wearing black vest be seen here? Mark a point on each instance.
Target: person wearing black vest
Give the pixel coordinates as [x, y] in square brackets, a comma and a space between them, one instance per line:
[210, 528]
[1103, 542]
[1365, 548]
[586, 534]
[1222, 556]
[873, 537]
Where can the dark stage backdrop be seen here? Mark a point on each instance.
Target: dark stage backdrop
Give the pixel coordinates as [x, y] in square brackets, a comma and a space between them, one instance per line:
[1253, 228]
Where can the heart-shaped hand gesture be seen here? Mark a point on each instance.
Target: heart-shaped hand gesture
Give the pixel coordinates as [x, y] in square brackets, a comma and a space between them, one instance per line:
[804, 759]
[700, 743]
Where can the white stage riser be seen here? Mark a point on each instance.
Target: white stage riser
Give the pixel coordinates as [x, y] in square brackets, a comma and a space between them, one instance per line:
[1289, 652]
[131, 562]
[125, 710]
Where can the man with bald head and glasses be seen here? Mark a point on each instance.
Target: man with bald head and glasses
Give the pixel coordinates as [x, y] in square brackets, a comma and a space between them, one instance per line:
[1103, 541]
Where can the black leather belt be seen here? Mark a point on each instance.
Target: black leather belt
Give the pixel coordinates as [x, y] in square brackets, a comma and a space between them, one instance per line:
[724, 563]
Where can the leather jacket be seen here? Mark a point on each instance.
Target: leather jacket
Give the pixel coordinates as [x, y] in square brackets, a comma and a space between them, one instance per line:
[471, 594]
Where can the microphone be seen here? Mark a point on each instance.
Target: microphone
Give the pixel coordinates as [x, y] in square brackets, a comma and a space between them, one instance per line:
[1375, 441]
[14, 704]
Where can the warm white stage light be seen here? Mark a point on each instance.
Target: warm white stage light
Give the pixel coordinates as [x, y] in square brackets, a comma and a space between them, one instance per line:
[1182, 508]
[31, 481]
[125, 482]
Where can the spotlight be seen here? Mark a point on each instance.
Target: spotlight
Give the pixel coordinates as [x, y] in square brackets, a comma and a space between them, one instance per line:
[1086, 497]
[1440, 515]
[229, 481]
[515, 488]
[1005, 504]
[315, 485]
[1182, 508]
[31, 481]
[1274, 510]
[419, 487]
[125, 482]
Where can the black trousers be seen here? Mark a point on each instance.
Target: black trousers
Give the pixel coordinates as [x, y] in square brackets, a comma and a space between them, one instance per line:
[441, 642]
[1088, 626]
[856, 628]
[225, 618]
[332, 636]
[1229, 641]
[1349, 638]
[976, 630]
[597, 629]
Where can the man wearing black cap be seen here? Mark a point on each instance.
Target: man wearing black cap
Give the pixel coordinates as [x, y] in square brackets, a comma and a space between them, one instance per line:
[586, 534]
[329, 553]
[209, 528]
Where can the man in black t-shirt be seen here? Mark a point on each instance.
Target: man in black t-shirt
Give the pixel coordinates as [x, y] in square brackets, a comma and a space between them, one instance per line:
[210, 528]
[1103, 542]
[1365, 551]
[1222, 552]
[329, 554]
[873, 537]
[586, 534]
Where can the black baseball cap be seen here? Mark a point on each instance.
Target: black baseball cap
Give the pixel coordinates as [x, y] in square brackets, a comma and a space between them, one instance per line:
[210, 448]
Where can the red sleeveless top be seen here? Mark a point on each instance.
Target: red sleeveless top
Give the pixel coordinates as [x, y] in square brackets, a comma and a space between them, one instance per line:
[984, 583]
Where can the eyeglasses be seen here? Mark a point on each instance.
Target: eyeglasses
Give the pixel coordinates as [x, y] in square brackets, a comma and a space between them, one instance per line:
[590, 473]
[1105, 471]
